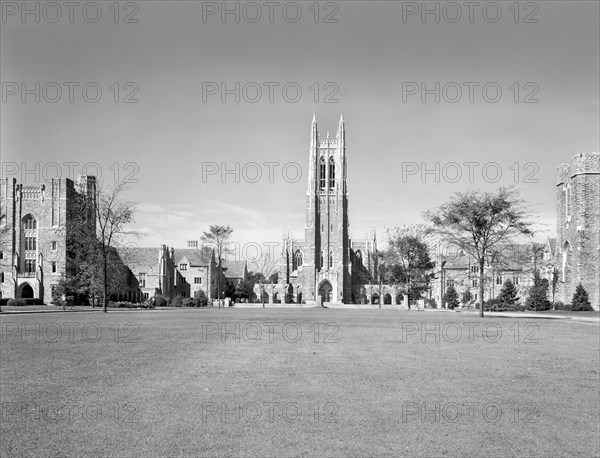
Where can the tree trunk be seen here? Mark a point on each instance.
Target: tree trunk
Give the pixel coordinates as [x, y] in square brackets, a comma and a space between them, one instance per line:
[481, 289]
[219, 283]
[105, 281]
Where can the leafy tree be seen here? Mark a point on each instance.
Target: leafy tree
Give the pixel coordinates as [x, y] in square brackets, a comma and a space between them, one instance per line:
[451, 298]
[479, 223]
[201, 298]
[537, 299]
[289, 294]
[98, 221]
[218, 236]
[508, 294]
[581, 301]
[406, 263]
[467, 297]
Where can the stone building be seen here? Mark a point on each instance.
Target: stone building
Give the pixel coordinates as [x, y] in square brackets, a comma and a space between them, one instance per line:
[571, 258]
[577, 245]
[150, 271]
[198, 267]
[34, 229]
[461, 271]
[327, 264]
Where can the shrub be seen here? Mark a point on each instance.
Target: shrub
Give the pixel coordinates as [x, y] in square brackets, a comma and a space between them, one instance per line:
[537, 299]
[560, 305]
[201, 299]
[431, 303]
[189, 302]
[450, 298]
[581, 302]
[177, 301]
[4, 301]
[16, 303]
[34, 301]
[160, 301]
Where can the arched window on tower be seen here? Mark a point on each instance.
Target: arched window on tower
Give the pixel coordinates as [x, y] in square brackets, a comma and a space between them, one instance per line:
[29, 222]
[322, 174]
[358, 259]
[331, 173]
[331, 259]
[297, 259]
[321, 261]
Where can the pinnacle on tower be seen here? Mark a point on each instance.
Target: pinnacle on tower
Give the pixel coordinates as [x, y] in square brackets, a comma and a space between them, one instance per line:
[341, 132]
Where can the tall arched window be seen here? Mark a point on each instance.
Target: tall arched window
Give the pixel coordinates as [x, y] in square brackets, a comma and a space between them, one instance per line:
[331, 173]
[331, 259]
[29, 243]
[29, 222]
[321, 261]
[297, 259]
[322, 174]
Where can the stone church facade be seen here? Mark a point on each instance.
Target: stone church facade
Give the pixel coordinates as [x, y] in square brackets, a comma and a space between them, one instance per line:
[327, 265]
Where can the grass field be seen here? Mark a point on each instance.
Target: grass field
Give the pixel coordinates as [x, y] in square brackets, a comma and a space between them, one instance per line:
[297, 382]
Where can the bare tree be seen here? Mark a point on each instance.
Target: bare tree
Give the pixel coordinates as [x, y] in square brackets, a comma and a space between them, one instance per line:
[479, 223]
[218, 236]
[266, 269]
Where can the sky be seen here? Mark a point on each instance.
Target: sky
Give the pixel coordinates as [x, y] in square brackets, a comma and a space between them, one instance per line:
[496, 96]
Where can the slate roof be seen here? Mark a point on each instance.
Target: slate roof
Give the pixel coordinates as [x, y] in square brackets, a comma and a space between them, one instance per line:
[235, 269]
[196, 257]
[140, 259]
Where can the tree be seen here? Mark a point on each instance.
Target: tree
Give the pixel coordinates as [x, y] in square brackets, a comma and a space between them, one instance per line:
[508, 294]
[98, 222]
[218, 236]
[537, 299]
[479, 223]
[554, 282]
[451, 298]
[201, 298]
[581, 301]
[265, 271]
[466, 297]
[406, 263]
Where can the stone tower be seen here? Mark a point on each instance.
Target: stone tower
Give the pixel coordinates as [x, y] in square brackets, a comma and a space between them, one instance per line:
[326, 254]
[578, 227]
[34, 232]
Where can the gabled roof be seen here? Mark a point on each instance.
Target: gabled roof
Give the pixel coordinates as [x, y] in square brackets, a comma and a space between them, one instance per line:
[235, 269]
[196, 257]
[140, 259]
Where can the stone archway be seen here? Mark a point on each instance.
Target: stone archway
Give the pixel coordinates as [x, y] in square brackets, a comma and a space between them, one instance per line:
[325, 291]
[375, 298]
[26, 291]
[387, 298]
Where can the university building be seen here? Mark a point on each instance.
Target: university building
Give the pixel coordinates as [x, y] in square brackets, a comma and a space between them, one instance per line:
[572, 257]
[35, 226]
[327, 265]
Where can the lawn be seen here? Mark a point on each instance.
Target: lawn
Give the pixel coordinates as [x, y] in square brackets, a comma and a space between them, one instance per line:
[297, 382]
